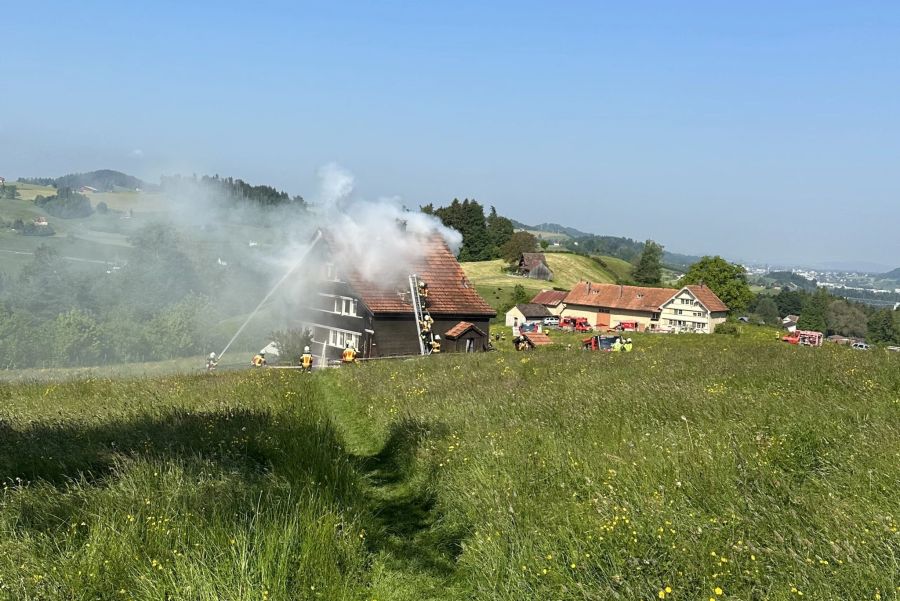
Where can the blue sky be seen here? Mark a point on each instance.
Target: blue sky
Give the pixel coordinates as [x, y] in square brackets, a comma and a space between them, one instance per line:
[767, 131]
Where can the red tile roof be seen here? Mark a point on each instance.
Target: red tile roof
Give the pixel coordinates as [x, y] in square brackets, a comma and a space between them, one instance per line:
[614, 296]
[709, 299]
[449, 290]
[461, 328]
[537, 338]
[550, 298]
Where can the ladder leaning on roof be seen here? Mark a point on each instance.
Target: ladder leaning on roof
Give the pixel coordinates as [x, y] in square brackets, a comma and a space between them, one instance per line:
[417, 310]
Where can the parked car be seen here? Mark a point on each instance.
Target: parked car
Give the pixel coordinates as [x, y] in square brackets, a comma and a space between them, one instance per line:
[551, 321]
[860, 346]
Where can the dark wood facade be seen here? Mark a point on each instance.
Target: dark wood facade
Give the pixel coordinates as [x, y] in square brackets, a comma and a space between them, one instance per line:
[337, 312]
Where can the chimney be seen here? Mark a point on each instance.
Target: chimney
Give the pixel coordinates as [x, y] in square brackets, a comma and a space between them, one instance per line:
[621, 290]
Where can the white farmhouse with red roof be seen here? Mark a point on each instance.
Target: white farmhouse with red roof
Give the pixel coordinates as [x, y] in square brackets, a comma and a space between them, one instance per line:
[693, 308]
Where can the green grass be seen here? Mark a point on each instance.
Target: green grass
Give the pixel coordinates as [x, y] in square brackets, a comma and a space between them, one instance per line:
[694, 463]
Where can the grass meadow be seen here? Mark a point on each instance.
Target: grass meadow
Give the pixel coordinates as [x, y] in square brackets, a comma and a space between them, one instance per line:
[695, 467]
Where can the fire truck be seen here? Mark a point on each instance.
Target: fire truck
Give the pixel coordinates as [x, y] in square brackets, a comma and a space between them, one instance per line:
[578, 324]
[804, 338]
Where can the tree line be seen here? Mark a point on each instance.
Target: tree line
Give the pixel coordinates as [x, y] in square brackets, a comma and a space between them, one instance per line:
[484, 236]
[231, 191]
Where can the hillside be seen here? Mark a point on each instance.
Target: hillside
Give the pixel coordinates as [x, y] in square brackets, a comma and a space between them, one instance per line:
[695, 467]
[104, 180]
[496, 286]
[894, 275]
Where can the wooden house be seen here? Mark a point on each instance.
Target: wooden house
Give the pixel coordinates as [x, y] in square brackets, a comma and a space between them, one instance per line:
[534, 265]
[377, 317]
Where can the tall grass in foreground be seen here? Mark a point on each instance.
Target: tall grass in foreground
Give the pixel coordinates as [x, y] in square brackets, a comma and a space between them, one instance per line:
[692, 468]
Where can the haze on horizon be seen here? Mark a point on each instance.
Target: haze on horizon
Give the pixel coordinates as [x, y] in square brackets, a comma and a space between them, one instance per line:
[766, 132]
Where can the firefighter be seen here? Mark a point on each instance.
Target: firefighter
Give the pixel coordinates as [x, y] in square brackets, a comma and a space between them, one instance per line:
[259, 360]
[426, 324]
[627, 345]
[436, 345]
[423, 289]
[617, 344]
[349, 354]
[211, 362]
[306, 360]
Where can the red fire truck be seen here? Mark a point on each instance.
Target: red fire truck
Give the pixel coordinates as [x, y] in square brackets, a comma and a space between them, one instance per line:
[804, 338]
[578, 324]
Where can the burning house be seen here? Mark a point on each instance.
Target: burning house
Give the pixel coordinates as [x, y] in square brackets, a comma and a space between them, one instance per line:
[378, 317]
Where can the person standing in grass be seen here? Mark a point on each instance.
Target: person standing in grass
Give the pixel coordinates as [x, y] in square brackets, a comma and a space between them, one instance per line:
[627, 346]
[349, 355]
[306, 360]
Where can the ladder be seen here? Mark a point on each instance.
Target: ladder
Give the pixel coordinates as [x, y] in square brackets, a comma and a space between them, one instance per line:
[417, 311]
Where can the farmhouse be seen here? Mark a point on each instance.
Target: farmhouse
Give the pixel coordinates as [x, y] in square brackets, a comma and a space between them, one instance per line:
[690, 309]
[694, 308]
[377, 317]
[534, 265]
[553, 300]
[527, 313]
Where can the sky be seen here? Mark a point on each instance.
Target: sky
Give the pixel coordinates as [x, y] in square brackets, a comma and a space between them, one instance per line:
[763, 131]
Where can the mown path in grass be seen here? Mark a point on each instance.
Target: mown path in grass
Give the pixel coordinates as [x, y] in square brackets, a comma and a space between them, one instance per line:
[412, 558]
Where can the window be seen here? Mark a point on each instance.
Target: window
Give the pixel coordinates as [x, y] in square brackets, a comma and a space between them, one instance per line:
[345, 306]
[679, 312]
[341, 339]
[698, 313]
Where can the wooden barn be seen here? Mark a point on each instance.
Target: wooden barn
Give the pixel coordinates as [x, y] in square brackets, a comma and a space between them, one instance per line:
[377, 317]
[534, 265]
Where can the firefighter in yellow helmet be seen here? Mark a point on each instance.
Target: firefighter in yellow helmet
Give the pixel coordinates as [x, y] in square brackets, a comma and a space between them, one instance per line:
[259, 360]
[306, 360]
[436, 345]
[349, 354]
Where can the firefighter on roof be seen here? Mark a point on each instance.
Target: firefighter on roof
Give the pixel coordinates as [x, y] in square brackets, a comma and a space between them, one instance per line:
[259, 360]
[423, 289]
[349, 354]
[306, 360]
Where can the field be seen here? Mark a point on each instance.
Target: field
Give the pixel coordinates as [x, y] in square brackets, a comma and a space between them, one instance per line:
[695, 467]
[496, 286]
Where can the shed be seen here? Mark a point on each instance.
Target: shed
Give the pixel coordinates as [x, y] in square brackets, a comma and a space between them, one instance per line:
[464, 337]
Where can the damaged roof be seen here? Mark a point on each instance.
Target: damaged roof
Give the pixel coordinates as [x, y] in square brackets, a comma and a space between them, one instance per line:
[531, 260]
[449, 290]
